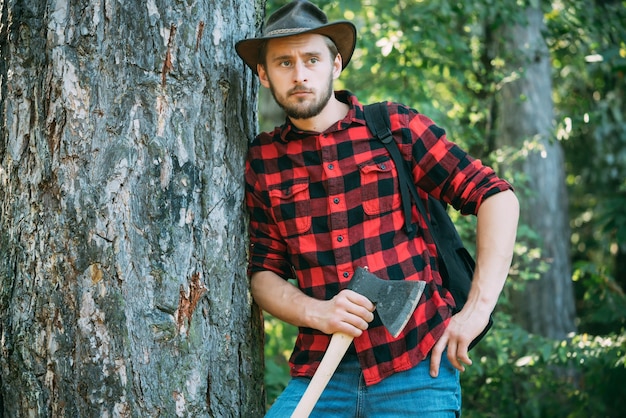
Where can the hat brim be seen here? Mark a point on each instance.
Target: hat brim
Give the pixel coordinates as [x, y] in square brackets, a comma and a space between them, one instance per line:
[342, 33]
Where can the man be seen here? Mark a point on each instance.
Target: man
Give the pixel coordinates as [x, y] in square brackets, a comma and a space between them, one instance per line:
[323, 200]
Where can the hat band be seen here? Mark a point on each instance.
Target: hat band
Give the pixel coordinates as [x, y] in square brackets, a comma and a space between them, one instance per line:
[289, 30]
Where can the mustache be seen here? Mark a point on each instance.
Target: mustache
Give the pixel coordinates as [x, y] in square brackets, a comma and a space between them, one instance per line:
[300, 89]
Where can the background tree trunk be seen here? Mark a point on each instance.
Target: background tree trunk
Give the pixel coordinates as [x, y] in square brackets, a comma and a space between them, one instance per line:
[123, 289]
[546, 307]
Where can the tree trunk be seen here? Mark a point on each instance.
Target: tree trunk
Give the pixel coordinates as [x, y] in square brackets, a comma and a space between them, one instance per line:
[546, 307]
[123, 289]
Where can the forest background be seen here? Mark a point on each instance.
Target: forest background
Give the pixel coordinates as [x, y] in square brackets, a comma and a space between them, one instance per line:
[446, 60]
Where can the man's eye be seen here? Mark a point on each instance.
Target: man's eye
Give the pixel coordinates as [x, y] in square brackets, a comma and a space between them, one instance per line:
[285, 63]
[313, 60]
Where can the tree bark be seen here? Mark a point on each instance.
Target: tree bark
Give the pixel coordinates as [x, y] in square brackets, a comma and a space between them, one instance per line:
[123, 288]
[546, 306]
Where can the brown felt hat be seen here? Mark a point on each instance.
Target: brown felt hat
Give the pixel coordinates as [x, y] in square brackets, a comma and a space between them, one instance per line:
[297, 18]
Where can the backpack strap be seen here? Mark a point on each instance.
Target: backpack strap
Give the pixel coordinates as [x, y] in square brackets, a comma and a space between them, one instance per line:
[377, 120]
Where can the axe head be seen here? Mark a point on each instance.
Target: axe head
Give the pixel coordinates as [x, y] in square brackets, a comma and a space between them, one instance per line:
[395, 300]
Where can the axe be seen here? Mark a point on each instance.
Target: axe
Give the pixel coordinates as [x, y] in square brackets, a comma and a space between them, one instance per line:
[395, 302]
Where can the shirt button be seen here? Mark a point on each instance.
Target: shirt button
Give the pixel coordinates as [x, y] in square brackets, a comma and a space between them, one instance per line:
[331, 166]
[336, 200]
[340, 238]
[346, 274]
[383, 166]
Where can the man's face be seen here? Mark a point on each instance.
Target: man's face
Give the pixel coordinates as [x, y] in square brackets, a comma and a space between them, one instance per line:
[300, 71]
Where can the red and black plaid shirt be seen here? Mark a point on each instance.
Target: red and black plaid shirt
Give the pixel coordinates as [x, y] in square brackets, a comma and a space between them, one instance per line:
[322, 204]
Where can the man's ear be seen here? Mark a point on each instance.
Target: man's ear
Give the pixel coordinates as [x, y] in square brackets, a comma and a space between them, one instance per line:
[265, 82]
[337, 66]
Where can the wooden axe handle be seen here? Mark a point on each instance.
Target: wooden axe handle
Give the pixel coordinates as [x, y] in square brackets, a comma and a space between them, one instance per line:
[338, 346]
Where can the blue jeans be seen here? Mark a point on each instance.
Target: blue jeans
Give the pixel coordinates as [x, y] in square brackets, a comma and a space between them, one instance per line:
[406, 394]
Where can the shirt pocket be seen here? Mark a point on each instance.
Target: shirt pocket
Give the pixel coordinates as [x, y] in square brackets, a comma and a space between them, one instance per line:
[291, 206]
[379, 186]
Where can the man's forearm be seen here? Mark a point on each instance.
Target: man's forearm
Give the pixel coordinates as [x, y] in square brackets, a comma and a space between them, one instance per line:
[280, 298]
[495, 239]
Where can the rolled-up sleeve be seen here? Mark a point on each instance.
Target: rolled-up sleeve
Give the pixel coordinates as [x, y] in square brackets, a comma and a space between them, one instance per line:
[447, 172]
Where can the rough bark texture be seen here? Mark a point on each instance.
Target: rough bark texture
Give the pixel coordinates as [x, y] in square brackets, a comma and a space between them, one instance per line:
[123, 292]
[526, 114]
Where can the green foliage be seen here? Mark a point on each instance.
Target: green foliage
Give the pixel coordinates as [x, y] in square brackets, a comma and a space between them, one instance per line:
[602, 303]
[432, 56]
[279, 341]
[517, 374]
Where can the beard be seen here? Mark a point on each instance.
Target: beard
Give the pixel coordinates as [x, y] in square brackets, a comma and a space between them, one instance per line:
[303, 108]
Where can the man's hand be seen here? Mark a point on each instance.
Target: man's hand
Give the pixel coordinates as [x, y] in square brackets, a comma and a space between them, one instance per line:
[348, 312]
[463, 328]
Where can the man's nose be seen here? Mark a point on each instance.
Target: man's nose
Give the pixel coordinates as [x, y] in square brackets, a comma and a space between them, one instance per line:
[300, 72]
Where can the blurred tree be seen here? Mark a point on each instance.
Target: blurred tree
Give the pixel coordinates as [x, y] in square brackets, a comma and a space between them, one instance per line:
[122, 238]
[526, 121]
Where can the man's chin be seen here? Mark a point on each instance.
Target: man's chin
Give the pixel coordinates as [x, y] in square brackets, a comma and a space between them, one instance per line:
[301, 112]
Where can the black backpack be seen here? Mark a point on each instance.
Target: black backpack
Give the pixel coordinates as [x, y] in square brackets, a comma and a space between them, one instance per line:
[456, 265]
